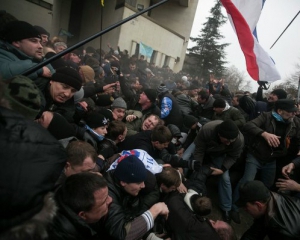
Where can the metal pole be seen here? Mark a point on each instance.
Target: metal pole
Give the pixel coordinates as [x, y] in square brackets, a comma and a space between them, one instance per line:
[284, 30]
[77, 45]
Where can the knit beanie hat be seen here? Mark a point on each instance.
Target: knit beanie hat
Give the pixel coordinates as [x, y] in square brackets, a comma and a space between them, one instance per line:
[280, 93]
[131, 170]
[88, 73]
[42, 30]
[60, 128]
[107, 113]
[68, 76]
[228, 129]
[161, 88]
[119, 103]
[24, 96]
[151, 94]
[219, 103]
[95, 120]
[189, 121]
[18, 30]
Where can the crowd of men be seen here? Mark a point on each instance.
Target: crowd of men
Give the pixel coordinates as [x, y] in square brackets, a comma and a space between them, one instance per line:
[103, 145]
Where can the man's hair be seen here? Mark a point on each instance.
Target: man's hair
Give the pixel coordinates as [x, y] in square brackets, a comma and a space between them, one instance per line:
[203, 94]
[169, 177]
[77, 192]
[160, 121]
[238, 96]
[77, 151]
[115, 128]
[226, 233]
[162, 134]
[201, 205]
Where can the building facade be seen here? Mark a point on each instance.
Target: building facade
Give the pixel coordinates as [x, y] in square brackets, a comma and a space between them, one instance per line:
[166, 29]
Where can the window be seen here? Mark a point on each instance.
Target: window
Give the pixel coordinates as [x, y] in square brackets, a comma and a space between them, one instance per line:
[42, 3]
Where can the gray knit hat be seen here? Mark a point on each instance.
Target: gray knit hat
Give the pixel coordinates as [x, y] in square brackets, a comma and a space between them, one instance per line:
[119, 103]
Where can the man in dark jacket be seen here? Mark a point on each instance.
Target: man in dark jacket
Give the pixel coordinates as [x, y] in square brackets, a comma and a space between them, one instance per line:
[132, 213]
[82, 201]
[31, 161]
[271, 137]
[205, 107]
[276, 216]
[221, 143]
[59, 92]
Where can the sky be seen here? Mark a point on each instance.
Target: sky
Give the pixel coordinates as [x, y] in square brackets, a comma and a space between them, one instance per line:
[275, 17]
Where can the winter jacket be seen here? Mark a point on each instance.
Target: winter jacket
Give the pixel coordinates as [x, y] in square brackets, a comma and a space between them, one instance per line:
[31, 162]
[183, 224]
[125, 212]
[206, 110]
[289, 136]
[68, 225]
[208, 142]
[14, 62]
[280, 222]
[233, 114]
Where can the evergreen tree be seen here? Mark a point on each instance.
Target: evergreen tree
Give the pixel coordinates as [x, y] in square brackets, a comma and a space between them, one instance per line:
[208, 55]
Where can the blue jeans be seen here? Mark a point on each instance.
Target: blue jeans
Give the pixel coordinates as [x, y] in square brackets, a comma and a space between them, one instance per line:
[187, 155]
[267, 175]
[224, 185]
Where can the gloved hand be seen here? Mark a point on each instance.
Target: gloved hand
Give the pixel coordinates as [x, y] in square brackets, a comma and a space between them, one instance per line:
[194, 165]
[118, 71]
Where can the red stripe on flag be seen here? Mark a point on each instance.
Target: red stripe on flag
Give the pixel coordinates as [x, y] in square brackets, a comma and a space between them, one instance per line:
[245, 38]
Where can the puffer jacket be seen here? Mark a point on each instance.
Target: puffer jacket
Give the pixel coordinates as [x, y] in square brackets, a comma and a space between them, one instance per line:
[31, 162]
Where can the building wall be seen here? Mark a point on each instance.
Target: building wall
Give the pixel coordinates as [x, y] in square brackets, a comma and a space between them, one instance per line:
[180, 19]
[143, 30]
[29, 12]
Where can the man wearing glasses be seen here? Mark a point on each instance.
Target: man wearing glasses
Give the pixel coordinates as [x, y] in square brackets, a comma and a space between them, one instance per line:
[219, 144]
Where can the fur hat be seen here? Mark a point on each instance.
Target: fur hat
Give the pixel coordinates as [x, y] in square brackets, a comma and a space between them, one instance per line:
[280, 93]
[18, 30]
[24, 96]
[228, 129]
[131, 170]
[68, 76]
[151, 94]
[95, 120]
[119, 103]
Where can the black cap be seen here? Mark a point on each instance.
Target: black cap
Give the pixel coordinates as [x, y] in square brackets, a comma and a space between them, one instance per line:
[252, 191]
[280, 93]
[286, 104]
[228, 129]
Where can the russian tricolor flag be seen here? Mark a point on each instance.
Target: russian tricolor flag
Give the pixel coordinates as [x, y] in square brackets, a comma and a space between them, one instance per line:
[244, 15]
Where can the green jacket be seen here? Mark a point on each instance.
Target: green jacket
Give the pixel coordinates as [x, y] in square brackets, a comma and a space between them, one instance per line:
[14, 62]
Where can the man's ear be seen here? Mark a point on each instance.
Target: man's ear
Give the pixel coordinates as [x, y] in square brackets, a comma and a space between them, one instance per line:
[16, 44]
[67, 167]
[259, 205]
[123, 184]
[82, 215]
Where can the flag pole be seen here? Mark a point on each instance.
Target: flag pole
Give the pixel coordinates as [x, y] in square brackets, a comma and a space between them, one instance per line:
[298, 91]
[285, 29]
[79, 44]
